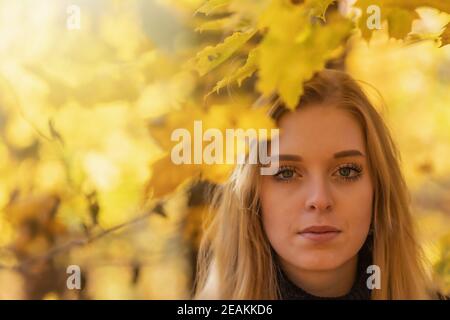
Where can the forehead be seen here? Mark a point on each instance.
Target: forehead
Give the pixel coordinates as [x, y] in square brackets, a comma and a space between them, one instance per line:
[321, 130]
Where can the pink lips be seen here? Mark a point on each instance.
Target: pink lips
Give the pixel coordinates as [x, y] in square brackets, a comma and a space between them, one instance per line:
[320, 233]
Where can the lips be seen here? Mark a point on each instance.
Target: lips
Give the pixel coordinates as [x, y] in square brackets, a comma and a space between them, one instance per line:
[320, 229]
[320, 233]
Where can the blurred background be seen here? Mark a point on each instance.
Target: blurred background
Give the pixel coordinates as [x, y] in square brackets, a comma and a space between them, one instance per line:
[84, 89]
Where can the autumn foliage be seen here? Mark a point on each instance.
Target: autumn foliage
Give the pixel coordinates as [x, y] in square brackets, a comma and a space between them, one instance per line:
[86, 118]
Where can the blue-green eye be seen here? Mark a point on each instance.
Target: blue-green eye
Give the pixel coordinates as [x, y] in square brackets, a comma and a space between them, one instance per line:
[285, 173]
[345, 172]
[350, 171]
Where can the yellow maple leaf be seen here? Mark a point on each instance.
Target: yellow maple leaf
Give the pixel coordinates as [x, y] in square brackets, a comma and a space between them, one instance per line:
[213, 6]
[319, 7]
[213, 56]
[217, 24]
[294, 49]
[167, 177]
[244, 72]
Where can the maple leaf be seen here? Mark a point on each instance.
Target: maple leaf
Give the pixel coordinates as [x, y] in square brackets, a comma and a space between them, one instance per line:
[212, 56]
[212, 6]
[294, 49]
[216, 24]
[167, 176]
[318, 7]
[242, 73]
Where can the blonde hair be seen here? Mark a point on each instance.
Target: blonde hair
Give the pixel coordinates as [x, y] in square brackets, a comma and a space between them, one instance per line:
[235, 258]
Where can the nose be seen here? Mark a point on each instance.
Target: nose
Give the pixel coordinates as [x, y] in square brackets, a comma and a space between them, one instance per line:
[319, 197]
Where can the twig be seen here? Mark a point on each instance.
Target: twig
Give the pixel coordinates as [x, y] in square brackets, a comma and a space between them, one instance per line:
[75, 243]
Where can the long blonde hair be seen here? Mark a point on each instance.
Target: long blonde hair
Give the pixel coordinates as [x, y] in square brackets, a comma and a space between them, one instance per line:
[235, 258]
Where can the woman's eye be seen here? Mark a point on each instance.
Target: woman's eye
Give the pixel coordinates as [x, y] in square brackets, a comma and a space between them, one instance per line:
[285, 174]
[345, 172]
[349, 172]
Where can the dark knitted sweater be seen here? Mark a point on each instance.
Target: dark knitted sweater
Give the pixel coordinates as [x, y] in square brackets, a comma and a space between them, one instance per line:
[359, 291]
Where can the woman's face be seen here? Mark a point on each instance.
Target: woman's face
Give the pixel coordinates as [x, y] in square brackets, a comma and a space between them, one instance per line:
[316, 210]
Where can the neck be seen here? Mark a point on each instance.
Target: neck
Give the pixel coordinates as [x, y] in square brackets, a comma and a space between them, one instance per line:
[323, 283]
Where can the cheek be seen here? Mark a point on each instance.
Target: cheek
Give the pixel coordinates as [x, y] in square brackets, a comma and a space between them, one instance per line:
[356, 209]
[277, 215]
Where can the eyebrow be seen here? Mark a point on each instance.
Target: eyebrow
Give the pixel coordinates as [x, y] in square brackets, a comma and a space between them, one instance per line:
[340, 154]
[348, 153]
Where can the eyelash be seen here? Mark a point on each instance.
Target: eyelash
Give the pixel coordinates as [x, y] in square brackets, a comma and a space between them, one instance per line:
[352, 166]
[282, 169]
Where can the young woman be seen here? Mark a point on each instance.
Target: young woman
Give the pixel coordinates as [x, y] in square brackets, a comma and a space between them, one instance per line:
[335, 213]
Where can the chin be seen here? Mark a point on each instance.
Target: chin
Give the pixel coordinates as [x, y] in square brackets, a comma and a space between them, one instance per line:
[318, 261]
